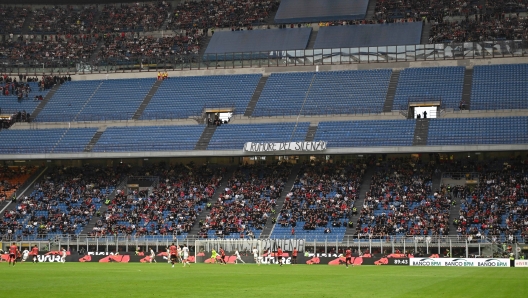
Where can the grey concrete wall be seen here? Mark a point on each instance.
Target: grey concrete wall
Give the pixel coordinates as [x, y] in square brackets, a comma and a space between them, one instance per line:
[236, 153]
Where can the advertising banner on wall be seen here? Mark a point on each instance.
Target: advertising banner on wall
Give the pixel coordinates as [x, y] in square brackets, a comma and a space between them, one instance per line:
[93, 257]
[521, 263]
[313, 259]
[459, 262]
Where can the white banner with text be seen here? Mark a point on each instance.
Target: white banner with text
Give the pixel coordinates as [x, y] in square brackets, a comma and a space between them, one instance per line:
[459, 262]
[286, 146]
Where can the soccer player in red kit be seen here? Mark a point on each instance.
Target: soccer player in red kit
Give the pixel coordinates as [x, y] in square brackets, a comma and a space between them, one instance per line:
[294, 256]
[222, 256]
[279, 255]
[173, 250]
[13, 252]
[34, 253]
[348, 257]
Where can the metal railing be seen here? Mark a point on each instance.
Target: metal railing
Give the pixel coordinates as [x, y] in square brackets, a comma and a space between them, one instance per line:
[459, 246]
[276, 58]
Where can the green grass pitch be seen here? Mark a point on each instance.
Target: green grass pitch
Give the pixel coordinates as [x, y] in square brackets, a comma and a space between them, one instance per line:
[75, 280]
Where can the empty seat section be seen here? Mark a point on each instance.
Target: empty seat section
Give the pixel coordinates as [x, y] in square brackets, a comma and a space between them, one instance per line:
[75, 140]
[498, 87]
[234, 136]
[182, 97]
[116, 100]
[366, 133]
[432, 83]
[331, 92]
[30, 140]
[476, 131]
[149, 138]
[68, 101]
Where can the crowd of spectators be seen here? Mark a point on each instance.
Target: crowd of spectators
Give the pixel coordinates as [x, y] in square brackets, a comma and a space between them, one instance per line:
[130, 47]
[57, 50]
[170, 209]
[248, 201]
[63, 20]
[401, 202]
[479, 28]
[323, 195]
[62, 202]
[12, 18]
[206, 14]
[148, 16]
[459, 20]
[497, 209]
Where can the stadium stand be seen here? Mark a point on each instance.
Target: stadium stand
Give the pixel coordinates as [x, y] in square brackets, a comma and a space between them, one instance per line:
[369, 35]
[497, 209]
[11, 178]
[170, 209]
[149, 138]
[140, 16]
[337, 92]
[12, 19]
[311, 11]
[45, 140]
[318, 206]
[499, 87]
[244, 207]
[27, 103]
[63, 20]
[184, 97]
[62, 203]
[96, 100]
[64, 50]
[366, 133]
[233, 14]
[401, 202]
[438, 83]
[115, 99]
[126, 49]
[257, 41]
[234, 136]
[477, 131]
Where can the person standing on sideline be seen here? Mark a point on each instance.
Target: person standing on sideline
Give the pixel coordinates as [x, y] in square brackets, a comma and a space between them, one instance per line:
[256, 256]
[173, 254]
[152, 256]
[279, 255]
[13, 251]
[238, 258]
[179, 252]
[222, 256]
[294, 256]
[34, 253]
[63, 255]
[25, 255]
[348, 257]
[185, 252]
[214, 254]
